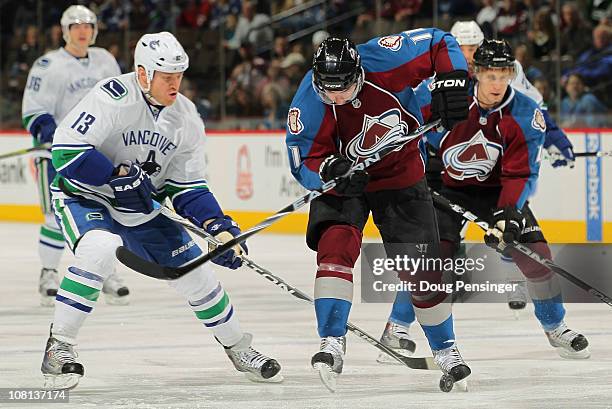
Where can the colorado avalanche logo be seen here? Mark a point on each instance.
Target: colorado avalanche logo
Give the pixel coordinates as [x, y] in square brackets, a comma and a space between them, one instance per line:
[538, 122]
[474, 158]
[377, 132]
[294, 124]
[393, 43]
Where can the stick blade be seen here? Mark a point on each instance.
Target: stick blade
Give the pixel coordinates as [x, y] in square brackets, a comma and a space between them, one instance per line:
[142, 266]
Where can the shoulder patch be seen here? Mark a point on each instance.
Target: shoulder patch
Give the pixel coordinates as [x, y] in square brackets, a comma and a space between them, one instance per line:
[538, 121]
[393, 43]
[43, 62]
[115, 88]
[294, 124]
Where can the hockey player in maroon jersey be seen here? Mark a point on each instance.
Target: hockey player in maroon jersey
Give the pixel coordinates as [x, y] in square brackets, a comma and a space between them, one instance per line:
[491, 164]
[353, 101]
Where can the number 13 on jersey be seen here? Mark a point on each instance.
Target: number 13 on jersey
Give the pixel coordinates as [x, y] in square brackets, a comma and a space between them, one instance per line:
[83, 122]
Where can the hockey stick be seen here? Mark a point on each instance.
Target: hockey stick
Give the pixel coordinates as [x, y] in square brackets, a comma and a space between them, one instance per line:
[599, 154]
[466, 214]
[411, 362]
[19, 152]
[155, 270]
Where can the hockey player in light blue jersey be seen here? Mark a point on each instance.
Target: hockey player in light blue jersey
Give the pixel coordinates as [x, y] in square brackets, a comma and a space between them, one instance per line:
[133, 138]
[57, 81]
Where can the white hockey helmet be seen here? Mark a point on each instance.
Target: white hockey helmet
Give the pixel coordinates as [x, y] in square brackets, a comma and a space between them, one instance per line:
[467, 33]
[160, 52]
[78, 15]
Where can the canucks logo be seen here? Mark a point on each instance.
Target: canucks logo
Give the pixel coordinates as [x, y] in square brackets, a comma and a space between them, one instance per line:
[377, 132]
[475, 158]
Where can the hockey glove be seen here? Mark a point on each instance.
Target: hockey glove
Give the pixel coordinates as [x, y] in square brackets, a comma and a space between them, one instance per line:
[335, 166]
[224, 229]
[507, 226]
[45, 130]
[449, 97]
[132, 187]
[560, 149]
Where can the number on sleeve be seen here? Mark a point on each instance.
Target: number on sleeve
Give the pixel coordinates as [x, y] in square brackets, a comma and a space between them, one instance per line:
[83, 122]
[34, 83]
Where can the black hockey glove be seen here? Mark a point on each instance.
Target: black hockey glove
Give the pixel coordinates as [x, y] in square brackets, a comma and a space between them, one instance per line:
[507, 226]
[449, 97]
[133, 190]
[334, 166]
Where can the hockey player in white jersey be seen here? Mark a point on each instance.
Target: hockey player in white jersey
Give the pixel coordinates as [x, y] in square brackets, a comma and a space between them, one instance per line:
[133, 138]
[57, 81]
[396, 334]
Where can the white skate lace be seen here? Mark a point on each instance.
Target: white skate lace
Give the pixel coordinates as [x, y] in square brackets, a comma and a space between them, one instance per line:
[448, 358]
[332, 345]
[62, 352]
[399, 331]
[252, 358]
[563, 335]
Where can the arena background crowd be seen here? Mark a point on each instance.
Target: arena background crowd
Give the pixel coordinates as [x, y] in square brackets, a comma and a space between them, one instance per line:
[248, 57]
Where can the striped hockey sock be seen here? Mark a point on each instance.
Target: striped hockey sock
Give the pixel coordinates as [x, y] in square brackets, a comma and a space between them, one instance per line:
[75, 299]
[50, 246]
[216, 312]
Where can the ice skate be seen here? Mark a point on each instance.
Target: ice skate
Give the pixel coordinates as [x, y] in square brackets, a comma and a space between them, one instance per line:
[518, 298]
[47, 286]
[568, 343]
[396, 337]
[329, 360]
[256, 366]
[454, 368]
[115, 291]
[59, 366]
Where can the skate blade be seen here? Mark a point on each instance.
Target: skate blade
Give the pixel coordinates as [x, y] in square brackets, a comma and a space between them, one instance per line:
[47, 301]
[114, 300]
[565, 354]
[328, 377]
[278, 378]
[61, 382]
[386, 359]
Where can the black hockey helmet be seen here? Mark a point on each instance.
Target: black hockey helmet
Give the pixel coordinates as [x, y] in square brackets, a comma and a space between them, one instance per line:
[494, 53]
[336, 65]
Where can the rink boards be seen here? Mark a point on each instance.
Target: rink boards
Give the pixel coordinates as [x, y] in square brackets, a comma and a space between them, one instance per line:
[249, 174]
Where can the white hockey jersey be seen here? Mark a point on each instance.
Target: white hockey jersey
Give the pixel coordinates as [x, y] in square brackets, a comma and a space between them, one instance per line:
[115, 119]
[522, 84]
[58, 80]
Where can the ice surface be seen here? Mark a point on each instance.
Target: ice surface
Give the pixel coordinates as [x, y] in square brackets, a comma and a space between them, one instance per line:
[154, 354]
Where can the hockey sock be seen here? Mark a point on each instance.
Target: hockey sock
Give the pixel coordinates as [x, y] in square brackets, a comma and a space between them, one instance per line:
[50, 244]
[75, 299]
[210, 303]
[338, 250]
[80, 288]
[543, 286]
[549, 312]
[403, 311]
[440, 336]
[216, 312]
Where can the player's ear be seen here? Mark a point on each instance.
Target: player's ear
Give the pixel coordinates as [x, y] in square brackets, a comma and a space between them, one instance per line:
[142, 76]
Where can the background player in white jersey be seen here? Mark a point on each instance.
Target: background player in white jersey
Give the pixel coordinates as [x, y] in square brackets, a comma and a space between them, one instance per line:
[132, 138]
[57, 81]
